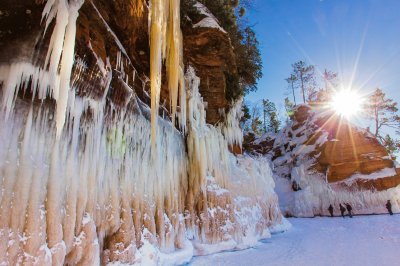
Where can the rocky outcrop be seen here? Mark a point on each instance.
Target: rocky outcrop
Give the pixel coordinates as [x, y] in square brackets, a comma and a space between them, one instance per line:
[210, 52]
[351, 153]
[342, 152]
[321, 159]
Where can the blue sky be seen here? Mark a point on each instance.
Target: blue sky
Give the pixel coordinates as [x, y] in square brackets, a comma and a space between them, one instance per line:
[356, 38]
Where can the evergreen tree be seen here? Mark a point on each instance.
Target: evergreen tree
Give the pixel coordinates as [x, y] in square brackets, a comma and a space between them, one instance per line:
[265, 113]
[312, 94]
[330, 80]
[382, 111]
[246, 118]
[256, 123]
[330, 83]
[248, 59]
[392, 145]
[305, 76]
[289, 107]
[270, 113]
[292, 83]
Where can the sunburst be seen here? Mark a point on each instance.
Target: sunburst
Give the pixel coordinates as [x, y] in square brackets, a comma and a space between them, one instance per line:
[347, 103]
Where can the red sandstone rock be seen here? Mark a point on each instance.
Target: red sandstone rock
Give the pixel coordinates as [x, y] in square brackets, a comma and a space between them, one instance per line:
[348, 151]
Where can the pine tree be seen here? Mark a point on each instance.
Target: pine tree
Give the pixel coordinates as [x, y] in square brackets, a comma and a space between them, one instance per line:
[382, 111]
[291, 82]
[274, 122]
[256, 124]
[305, 76]
[330, 83]
[330, 79]
[392, 145]
[289, 107]
[245, 120]
[270, 112]
[265, 106]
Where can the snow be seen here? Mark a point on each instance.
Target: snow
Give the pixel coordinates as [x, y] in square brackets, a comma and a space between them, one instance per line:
[385, 172]
[362, 240]
[209, 21]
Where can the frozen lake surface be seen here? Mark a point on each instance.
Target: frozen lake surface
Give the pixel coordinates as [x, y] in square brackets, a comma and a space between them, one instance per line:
[362, 240]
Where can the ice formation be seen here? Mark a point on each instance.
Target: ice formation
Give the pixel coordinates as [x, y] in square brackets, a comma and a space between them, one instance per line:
[102, 187]
[91, 184]
[232, 131]
[166, 43]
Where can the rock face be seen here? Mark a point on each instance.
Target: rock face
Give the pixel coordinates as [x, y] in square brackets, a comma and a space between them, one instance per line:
[355, 152]
[341, 150]
[321, 159]
[210, 52]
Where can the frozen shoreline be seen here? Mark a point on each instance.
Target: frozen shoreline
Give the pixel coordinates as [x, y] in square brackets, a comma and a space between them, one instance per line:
[362, 240]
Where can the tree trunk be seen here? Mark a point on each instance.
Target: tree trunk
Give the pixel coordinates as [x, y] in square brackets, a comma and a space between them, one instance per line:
[294, 96]
[265, 116]
[302, 88]
[376, 122]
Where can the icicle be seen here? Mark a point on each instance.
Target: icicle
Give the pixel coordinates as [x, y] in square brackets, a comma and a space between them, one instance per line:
[156, 39]
[57, 8]
[67, 64]
[231, 128]
[62, 42]
[165, 42]
[174, 56]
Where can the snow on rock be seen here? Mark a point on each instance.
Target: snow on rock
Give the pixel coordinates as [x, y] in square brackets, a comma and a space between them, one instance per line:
[210, 21]
[319, 160]
[385, 172]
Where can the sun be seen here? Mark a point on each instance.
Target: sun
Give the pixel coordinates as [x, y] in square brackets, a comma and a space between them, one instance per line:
[347, 103]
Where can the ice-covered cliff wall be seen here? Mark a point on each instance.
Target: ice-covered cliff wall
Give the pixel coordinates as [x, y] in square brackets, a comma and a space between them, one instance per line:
[90, 175]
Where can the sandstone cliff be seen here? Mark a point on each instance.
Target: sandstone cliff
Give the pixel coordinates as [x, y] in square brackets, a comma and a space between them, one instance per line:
[321, 152]
[86, 180]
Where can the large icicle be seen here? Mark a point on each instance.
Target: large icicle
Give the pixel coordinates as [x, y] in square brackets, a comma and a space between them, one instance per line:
[67, 64]
[174, 60]
[156, 42]
[166, 43]
[61, 51]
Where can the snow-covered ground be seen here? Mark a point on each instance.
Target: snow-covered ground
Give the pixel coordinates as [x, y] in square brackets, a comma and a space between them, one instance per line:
[362, 240]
